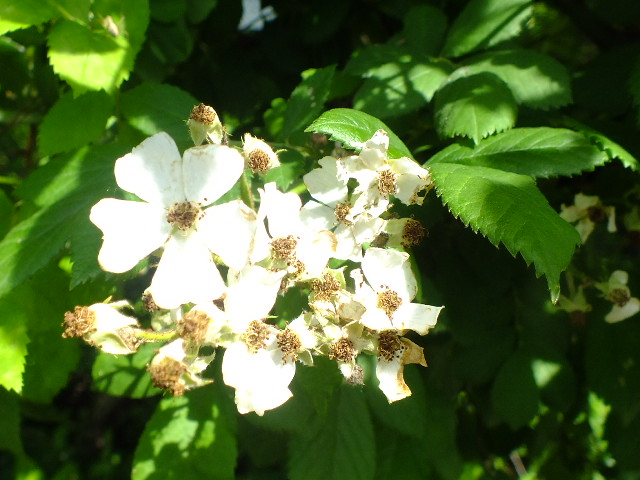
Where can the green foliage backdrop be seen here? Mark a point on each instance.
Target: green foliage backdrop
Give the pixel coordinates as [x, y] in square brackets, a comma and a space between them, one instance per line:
[514, 106]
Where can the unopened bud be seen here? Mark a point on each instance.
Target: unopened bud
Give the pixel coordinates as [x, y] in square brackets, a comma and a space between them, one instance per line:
[204, 123]
[259, 155]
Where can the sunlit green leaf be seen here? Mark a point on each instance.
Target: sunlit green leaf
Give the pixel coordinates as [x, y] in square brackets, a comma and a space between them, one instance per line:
[13, 341]
[484, 23]
[535, 79]
[125, 375]
[74, 122]
[188, 438]
[153, 108]
[16, 15]
[307, 99]
[66, 188]
[474, 106]
[353, 128]
[538, 152]
[88, 59]
[508, 208]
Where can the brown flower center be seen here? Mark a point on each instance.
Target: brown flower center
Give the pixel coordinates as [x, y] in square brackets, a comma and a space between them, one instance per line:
[390, 346]
[413, 233]
[284, 248]
[166, 375]
[341, 211]
[389, 301]
[79, 322]
[259, 161]
[204, 114]
[193, 326]
[387, 182]
[256, 336]
[326, 288]
[183, 215]
[290, 344]
[619, 296]
[343, 350]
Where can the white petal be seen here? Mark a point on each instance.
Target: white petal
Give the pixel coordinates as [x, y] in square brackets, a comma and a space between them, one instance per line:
[416, 316]
[315, 252]
[253, 296]
[261, 379]
[327, 184]
[390, 269]
[153, 171]
[619, 278]
[617, 314]
[315, 217]
[374, 153]
[391, 378]
[376, 319]
[210, 171]
[131, 231]
[186, 273]
[282, 211]
[228, 231]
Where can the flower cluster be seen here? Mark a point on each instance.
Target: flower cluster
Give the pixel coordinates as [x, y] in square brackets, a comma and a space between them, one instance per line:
[223, 265]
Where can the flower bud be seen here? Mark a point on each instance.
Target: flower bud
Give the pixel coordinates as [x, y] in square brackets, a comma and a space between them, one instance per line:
[204, 123]
[259, 155]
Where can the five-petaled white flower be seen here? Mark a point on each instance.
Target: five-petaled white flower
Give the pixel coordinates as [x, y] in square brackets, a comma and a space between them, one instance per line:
[388, 294]
[175, 192]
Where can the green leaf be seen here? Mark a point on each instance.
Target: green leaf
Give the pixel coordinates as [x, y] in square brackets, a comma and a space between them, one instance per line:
[508, 208]
[401, 87]
[6, 211]
[484, 23]
[153, 108]
[515, 395]
[537, 152]
[87, 59]
[10, 422]
[125, 375]
[189, 438]
[474, 106]
[307, 99]
[291, 169]
[74, 122]
[399, 456]
[17, 15]
[50, 358]
[424, 28]
[342, 447]
[535, 79]
[353, 128]
[199, 10]
[605, 144]
[13, 340]
[67, 188]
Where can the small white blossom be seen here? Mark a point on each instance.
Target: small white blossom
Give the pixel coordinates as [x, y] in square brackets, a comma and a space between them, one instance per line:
[175, 192]
[617, 291]
[103, 326]
[259, 155]
[387, 296]
[393, 354]
[585, 212]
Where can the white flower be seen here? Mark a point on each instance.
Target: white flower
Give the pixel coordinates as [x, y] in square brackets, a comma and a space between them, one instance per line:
[388, 295]
[173, 369]
[103, 326]
[291, 238]
[617, 291]
[353, 221]
[258, 370]
[379, 176]
[253, 363]
[585, 211]
[174, 191]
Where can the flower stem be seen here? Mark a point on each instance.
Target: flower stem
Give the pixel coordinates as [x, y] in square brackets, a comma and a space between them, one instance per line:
[245, 191]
